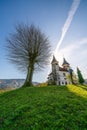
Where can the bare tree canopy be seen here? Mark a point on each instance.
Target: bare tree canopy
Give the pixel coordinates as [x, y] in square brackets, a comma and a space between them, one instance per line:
[29, 49]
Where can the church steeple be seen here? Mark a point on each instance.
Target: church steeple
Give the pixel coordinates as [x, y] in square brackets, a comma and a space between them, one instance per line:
[55, 65]
[65, 64]
[54, 61]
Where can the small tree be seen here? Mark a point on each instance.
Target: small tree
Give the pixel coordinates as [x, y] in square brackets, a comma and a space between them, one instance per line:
[71, 75]
[80, 77]
[29, 49]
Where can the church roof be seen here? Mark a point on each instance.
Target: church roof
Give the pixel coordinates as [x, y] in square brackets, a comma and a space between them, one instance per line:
[54, 60]
[65, 62]
[62, 69]
[50, 74]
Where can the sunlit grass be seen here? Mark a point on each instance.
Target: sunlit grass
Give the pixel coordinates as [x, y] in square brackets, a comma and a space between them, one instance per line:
[79, 90]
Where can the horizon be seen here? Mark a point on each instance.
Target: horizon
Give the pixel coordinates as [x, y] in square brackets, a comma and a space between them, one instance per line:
[51, 17]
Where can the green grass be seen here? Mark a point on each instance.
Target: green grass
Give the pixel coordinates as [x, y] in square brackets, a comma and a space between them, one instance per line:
[44, 108]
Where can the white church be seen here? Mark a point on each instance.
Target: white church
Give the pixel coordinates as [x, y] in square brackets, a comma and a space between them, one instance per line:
[59, 75]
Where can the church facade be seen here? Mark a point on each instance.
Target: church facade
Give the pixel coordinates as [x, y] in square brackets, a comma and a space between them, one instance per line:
[59, 75]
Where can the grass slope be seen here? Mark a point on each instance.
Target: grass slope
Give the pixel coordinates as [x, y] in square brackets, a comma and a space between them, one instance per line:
[44, 108]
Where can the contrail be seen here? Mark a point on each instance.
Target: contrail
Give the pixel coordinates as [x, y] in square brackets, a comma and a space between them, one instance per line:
[68, 21]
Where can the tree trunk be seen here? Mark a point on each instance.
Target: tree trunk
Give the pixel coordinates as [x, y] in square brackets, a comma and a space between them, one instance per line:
[28, 81]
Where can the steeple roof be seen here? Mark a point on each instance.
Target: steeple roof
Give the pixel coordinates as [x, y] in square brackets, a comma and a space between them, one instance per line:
[65, 62]
[54, 60]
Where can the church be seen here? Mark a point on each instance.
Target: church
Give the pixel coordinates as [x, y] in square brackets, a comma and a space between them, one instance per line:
[59, 75]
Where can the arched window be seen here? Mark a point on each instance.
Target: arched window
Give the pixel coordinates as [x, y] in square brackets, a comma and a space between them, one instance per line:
[59, 82]
[62, 82]
[66, 82]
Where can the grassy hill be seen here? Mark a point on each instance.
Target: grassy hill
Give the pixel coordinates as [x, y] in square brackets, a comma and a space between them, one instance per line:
[44, 108]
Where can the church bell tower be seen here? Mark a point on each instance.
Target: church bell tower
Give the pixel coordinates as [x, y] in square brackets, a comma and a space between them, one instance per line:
[55, 65]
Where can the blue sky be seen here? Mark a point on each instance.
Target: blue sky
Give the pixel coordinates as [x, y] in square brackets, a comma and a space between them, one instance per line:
[50, 16]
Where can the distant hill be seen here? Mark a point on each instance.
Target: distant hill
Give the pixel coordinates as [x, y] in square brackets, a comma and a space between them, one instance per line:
[12, 83]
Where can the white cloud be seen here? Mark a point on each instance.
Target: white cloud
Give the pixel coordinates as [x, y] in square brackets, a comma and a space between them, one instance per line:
[74, 46]
[76, 54]
[83, 41]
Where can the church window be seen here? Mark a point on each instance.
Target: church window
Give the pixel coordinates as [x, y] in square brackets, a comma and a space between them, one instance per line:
[64, 74]
[62, 82]
[66, 83]
[59, 82]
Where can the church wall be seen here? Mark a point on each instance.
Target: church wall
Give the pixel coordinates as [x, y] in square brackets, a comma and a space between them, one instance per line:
[63, 78]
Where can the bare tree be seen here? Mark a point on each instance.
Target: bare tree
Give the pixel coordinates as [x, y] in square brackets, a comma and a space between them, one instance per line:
[29, 49]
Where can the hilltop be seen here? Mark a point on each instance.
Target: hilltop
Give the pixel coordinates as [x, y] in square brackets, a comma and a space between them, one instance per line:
[44, 108]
